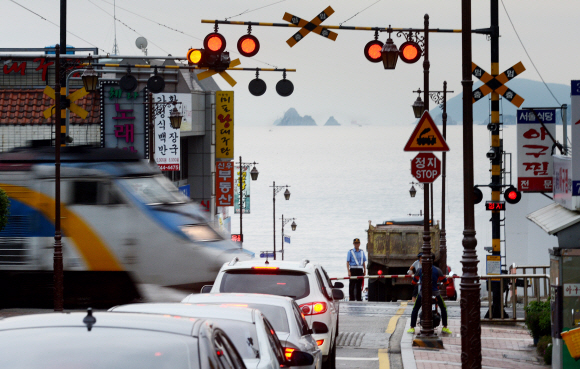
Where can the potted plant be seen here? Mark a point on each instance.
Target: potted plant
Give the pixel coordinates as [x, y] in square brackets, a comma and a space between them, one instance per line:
[538, 319]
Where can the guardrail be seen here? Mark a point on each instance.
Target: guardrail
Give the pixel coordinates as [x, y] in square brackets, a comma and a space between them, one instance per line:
[536, 286]
[508, 280]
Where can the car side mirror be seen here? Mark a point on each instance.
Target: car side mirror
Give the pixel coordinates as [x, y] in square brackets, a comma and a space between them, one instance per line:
[338, 285]
[310, 331]
[337, 294]
[207, 288]
[300, 358]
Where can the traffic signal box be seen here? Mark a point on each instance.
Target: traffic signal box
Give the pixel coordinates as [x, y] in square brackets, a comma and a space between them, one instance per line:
[212, 56]
[248, 45]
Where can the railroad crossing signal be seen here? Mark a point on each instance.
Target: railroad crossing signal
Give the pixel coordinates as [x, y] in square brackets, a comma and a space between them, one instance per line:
[223, 73]
[312, 26]
[49, 91]
[497, 84]
[426, 136]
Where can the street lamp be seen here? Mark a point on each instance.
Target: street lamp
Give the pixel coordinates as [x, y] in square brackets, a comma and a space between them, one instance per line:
[175, 117]
[389, 52]
[440, 98]
[90, 78]
[413, 191]
[275, 190]
[254, 174]
[293, 226]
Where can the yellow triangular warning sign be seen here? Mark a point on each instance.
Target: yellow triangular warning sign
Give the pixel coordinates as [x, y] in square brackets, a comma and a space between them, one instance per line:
[426, 137]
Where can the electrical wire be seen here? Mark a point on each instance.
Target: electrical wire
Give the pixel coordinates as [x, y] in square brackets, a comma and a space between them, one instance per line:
[340, 24]
[69, 32]
[183, 33]
[253, 10]
[115, 18]
[529, 57]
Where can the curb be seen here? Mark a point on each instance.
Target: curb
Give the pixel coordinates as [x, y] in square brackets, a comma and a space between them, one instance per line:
[407, 355]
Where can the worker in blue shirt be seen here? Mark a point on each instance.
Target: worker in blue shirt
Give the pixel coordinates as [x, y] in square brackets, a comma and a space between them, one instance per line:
[355, 264]
[436, 277]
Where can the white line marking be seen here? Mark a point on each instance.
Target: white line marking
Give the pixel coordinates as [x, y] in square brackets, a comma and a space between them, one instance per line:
[358, 358]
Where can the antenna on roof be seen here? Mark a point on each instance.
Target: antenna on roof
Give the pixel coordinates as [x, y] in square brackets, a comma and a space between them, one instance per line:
[141, 43]
[115, 46]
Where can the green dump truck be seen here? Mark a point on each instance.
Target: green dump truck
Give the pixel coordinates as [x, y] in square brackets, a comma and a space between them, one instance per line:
[392, 247]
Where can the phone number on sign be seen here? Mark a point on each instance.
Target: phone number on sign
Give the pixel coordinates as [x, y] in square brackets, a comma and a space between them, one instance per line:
[168, 167]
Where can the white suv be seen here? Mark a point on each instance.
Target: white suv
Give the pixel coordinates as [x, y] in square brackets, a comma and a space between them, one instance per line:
[306, 282]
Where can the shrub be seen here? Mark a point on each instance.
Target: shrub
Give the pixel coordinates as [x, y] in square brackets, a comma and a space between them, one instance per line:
[538, 318]
[4, 209]
[548, 355]
[543, 344]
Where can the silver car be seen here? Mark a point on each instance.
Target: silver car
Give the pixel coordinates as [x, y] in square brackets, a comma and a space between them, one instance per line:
[283, 312]
[249, 330]
[114, 341]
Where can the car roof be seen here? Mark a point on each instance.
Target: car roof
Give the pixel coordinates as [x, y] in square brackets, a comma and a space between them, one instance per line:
[254, 298]
[303, 265]
[239, 313]
[103, 319]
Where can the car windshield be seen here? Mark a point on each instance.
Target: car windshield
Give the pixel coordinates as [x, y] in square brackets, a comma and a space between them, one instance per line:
[102, 348]
[153, 190]
[271, 282]
[275, 314]
[243, 335]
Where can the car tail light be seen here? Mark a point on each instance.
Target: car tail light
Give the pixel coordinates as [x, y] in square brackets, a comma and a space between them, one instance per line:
[314, 308]
[319, 342]
[265, 268]
[288, 352]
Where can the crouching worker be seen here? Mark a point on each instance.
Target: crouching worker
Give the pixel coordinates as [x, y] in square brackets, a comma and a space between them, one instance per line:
[436, 278]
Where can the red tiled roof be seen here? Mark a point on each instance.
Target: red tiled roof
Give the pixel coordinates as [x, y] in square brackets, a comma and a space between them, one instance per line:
[26, 106]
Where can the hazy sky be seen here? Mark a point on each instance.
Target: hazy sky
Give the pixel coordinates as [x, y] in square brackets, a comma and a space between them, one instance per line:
[333, 78]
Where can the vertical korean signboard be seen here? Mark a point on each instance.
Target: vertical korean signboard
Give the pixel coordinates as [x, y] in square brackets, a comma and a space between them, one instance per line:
[124, 119]
[575, 100]
[224, 183]
[245, 183]
[224, 121]
[535, 164]
[167, 138]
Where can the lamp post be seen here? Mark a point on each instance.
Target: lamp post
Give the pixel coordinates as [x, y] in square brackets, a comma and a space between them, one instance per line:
[440, 98]
[57, 256]
[469, 286]
[275, 190]
[293, 226]
[254, 174]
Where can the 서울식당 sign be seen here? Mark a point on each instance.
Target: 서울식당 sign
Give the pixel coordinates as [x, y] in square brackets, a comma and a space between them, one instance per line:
[124, 119]
[245, 175]
[167, 139]
[535, 164]
[224, 121]
[224, 183]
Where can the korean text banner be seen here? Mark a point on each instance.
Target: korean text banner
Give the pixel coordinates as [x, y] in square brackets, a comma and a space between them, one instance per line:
[224, 120]
[245, 176]
[167, 138]
[224, 183]
[124, 119]
[535, 164]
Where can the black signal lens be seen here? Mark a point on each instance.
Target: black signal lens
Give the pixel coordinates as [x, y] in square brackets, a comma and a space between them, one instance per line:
[477, 195]
[410, 52]
[248, 45]
[373, 51]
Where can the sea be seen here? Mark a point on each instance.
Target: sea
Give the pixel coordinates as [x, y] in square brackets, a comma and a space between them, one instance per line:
[341, 178]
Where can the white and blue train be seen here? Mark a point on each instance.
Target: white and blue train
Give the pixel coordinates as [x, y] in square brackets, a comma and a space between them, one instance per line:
[123, 224]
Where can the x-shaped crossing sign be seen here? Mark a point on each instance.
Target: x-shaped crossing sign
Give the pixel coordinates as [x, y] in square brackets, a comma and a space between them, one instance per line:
[224, 74]
[312, 26]
[497, 84]
[49, 91]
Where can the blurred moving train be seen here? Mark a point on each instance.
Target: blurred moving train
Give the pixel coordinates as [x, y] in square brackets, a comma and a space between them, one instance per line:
[123, 224]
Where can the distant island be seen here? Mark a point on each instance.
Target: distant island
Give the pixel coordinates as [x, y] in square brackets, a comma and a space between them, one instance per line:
[292, 118]
[331, 122]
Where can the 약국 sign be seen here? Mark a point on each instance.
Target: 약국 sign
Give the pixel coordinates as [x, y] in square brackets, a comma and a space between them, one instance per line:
[224, 183]
[124, 119]
[224, 124]
[534, 149]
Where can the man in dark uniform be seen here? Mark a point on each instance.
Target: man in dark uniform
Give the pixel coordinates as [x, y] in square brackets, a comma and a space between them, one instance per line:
[355, 264]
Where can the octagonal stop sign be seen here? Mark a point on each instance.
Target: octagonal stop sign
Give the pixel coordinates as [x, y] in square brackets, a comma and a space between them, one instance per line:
[426, 167]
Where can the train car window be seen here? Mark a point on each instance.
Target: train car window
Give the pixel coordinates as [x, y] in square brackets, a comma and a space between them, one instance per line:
[85, 192]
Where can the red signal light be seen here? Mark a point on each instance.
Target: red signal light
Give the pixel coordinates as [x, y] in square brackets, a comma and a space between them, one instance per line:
[380, 272]
[248, 45]
[512, 196]
[410, 52]
[373, 51]
[214, 43]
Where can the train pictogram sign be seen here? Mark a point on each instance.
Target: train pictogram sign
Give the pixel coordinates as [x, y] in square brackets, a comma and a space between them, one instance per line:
[426, 136]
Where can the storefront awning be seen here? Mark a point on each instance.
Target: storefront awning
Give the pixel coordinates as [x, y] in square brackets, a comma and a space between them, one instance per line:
[554, 218]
